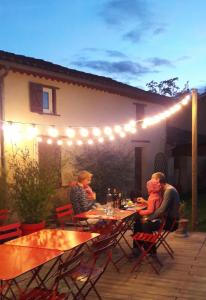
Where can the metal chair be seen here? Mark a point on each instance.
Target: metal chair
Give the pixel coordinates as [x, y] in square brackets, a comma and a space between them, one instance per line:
[3, 215]
[64, 215]
[81, 277]
[162, 239]
[9, 232]
[145, 242]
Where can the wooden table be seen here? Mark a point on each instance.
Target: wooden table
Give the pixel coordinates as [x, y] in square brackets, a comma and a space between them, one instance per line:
[17, 260]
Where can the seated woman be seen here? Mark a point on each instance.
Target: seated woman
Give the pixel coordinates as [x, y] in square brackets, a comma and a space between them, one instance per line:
[79, 198]
[79, 195]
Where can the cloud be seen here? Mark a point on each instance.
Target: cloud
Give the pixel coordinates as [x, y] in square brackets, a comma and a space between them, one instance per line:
[135, 17]
[125, 67]
[158, 30]
[182, 58]
[157, 61]
[116, 12]
[110, 53]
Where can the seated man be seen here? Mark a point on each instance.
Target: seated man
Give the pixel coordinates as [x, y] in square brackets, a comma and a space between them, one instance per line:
[169, 208]
[170, 203]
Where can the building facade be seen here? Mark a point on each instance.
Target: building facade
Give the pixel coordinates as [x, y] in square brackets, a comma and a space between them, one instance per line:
[37, 93]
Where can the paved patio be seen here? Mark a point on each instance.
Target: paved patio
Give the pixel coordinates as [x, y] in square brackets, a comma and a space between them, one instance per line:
[181, 278]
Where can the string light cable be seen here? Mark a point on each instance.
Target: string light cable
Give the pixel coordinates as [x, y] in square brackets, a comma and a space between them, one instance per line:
[76, 135]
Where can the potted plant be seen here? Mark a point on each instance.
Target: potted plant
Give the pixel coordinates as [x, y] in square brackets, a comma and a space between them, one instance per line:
[32, 185]
[182, 230]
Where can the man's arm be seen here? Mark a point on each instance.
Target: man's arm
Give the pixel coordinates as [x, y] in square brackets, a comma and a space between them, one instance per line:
[163, 207]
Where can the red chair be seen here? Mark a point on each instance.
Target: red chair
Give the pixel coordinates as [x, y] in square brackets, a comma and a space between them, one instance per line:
[3, 215]
[64, 215]
[162, 239]
[109, 240]
[9, 232]
[81, 277]
[145, 242]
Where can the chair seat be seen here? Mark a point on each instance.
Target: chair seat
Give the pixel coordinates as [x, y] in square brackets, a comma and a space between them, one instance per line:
[40, 293]
[83, 272]
[146, 237]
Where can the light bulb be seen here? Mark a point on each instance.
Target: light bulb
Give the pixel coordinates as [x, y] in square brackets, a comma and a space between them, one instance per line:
[101, 140]
[111, 137]
[108, 130]
[96, 131]
[132, 123]
[79, 142]
[70, 132]
[84, 132]
[60, 142]
[49, 141]
[32, 131]
[90, 142]
[122, 134]
[69, 143]
[117, 128]
[53, 132]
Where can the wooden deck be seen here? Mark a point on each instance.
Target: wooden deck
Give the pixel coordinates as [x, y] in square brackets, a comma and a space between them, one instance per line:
[182, 278]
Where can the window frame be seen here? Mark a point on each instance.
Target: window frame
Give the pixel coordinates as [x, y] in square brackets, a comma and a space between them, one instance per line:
[36, 104]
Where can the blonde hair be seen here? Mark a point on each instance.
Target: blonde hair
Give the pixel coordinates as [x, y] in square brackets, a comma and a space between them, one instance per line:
[84, 175]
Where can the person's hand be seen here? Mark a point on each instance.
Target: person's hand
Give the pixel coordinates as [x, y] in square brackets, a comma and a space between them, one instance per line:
[144, 220]
[141, 200]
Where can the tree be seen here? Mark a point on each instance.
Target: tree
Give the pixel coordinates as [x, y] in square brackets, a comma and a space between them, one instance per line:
[167, 87]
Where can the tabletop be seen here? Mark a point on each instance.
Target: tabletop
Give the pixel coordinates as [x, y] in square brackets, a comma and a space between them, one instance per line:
[16, 260]
[63, 240]
[118, 214]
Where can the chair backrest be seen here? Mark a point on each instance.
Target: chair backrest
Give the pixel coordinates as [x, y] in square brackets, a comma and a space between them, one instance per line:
[3, 215]
[10, 231]
[64, 212]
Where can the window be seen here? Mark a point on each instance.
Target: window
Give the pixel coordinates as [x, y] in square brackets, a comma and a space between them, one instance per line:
[47, 101]
[139, 111]
[42, 98]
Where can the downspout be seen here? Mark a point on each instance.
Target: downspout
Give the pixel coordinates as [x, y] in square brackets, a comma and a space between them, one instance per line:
[3, 74]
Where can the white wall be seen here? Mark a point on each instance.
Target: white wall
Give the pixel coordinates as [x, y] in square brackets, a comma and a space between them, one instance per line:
[80, 106]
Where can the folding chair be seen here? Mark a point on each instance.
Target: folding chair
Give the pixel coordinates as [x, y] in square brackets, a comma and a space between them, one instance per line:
[162, 239]
[145, 242]
[80, 276]
[64, 215]
[52, 293]
[9, 232]
[109, 240]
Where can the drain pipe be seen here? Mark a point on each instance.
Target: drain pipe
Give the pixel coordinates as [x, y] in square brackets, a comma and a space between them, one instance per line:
[3, 73]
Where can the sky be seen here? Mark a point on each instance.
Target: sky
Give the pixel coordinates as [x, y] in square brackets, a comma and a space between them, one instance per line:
[132, 41]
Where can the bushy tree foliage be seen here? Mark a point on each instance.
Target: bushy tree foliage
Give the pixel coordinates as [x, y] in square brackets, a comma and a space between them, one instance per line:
[167, 87]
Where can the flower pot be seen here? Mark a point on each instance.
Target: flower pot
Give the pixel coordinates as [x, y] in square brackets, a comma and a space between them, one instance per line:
[182, 230]
[30, 228]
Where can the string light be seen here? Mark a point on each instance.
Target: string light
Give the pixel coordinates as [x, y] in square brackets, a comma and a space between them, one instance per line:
[59, 142]
[49, 141]
[70, 132]
[69, 143]
[84, 132]
[13, 130]
[96, 131]
[90, 142]
[53, 132]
